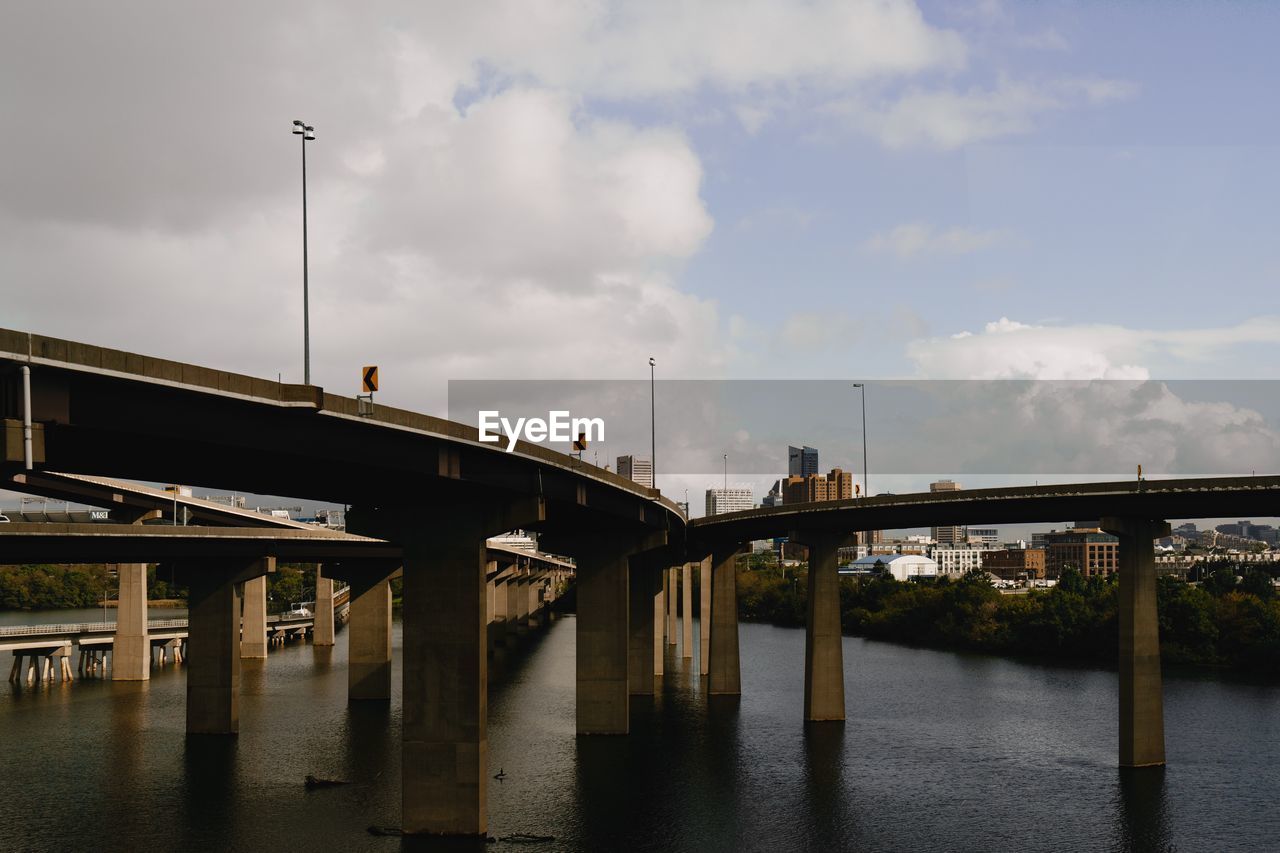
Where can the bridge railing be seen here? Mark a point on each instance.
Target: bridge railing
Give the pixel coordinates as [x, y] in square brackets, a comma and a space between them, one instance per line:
[81, 627]
[110, 627]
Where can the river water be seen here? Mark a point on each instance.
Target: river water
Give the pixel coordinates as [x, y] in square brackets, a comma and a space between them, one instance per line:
[941, 751]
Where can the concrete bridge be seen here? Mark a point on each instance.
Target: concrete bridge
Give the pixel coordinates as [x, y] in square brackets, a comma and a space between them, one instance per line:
[429, 488]
[39, 646]
[1133, 510]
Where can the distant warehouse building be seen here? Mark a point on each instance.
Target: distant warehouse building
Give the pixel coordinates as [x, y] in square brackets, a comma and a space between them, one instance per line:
[901, 566]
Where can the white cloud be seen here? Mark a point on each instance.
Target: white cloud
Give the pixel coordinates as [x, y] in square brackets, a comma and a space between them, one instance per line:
[949, 118]
[668, 47]
[811, 331]
[518, 235]
[1007, 349]
[915, 239]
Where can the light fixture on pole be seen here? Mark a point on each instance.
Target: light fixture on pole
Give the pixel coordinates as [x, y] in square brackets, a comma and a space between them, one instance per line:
[653, 429]
[308, 134]
[866, 489]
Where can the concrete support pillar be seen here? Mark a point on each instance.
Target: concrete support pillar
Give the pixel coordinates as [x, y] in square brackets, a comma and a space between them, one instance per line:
[445, 749]
[673, 591]
[490, 611]
[1141, 690]
[704, 615]
[686, 611]
[640, 647]
[213, 662]
[253, 630]
[322, 633]
[522, 605]
[131, 656]
[512, 588]
[369, 637]
[659, 593]
[823, 646]
[603, 688]
[724, 675]
[535, 601]
[498, 620]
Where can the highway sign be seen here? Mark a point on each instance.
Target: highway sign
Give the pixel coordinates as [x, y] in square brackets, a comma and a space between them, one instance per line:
[370, 377]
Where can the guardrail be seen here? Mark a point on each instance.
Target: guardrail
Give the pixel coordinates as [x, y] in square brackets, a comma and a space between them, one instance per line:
[110, 627]
[82, 627]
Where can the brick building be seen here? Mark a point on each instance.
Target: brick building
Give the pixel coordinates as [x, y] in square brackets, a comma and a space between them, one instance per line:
[835, 485]
[1087, 549]
[1014, 563]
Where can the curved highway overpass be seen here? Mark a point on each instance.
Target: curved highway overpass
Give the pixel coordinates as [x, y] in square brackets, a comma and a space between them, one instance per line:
[427, 485]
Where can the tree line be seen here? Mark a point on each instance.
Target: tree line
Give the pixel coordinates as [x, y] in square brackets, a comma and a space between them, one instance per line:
[47, 587]
[1228, 621]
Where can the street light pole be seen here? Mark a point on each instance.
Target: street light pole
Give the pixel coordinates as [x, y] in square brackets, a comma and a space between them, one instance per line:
[308, 134]
[653, 429]
[866, 488]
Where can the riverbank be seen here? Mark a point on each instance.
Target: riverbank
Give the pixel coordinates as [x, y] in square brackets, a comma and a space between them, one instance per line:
[153, 602]
[1224, 623]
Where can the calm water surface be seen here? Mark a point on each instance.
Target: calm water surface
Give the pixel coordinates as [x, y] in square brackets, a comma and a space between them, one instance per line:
[940, 752]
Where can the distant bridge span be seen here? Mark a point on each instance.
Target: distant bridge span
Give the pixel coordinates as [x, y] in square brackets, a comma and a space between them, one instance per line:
[1201, 497]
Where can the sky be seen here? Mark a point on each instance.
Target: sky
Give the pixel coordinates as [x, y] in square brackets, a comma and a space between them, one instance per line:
[561, 190]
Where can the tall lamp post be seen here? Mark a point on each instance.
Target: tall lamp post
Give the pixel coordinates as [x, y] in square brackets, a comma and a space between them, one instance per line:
[308, 134]
[866, 489]
[653, 430]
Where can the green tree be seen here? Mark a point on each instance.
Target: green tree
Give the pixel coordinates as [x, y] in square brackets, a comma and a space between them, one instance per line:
[1258, 582]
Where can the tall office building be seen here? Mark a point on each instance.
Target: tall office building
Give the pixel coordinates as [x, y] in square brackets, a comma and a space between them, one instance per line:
[953, 534]
[801, 461]
[836, 485]
[637, 468]
[732, 499]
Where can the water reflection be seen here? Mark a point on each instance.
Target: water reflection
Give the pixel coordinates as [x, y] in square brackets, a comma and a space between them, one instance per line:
[939, 752]
[828, 804]
[208, 790]
[1141, 821]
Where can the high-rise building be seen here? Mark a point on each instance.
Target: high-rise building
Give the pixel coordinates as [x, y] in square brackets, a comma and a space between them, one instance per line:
[802, 461]
[638, 469]
[732, 499]
[774, 498]
[952, 534]
[835, 485]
